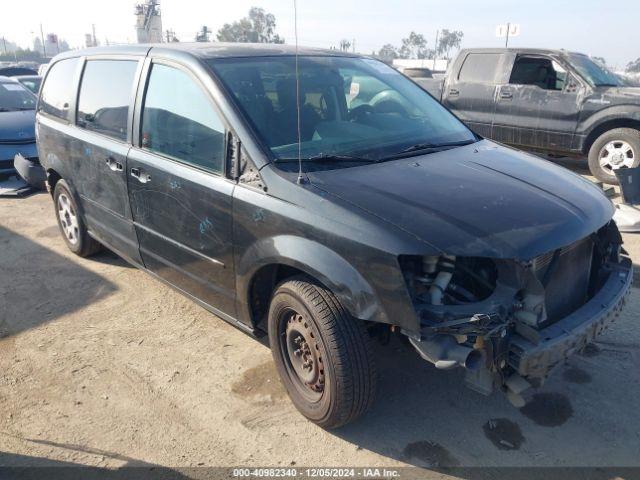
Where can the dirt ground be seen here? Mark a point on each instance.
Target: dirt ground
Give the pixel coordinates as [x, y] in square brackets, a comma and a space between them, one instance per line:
[102, 365]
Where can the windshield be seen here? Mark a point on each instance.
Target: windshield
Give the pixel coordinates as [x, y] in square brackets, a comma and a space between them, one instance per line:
[597, 75]
[14, 96]
[349, 107]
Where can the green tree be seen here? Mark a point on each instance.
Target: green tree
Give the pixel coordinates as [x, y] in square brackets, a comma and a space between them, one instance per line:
[20, 54]
[345, 45]
[414, 46]
[7, 46]
[258, 27]
[388, 52]
[633, 67]
[449, 39]
[37, 44]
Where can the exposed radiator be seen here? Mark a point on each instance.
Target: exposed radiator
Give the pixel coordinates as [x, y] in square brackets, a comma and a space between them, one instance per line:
[568, 283]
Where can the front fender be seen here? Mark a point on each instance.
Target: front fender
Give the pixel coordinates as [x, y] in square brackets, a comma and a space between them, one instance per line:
[317, 261]
[614, 113]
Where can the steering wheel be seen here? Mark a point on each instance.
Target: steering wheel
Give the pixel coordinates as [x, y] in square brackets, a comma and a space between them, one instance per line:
[389, 101]
[361, 110]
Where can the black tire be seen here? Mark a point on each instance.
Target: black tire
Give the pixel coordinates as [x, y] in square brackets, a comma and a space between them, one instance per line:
[341, 382]
[617, 136]
[79, 242]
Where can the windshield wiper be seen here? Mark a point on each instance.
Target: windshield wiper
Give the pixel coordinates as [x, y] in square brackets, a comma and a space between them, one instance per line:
[328, 157]
[430, 146]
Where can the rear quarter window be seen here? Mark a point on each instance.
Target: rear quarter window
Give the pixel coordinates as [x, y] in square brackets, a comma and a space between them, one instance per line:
[480, 68]
[59, 89]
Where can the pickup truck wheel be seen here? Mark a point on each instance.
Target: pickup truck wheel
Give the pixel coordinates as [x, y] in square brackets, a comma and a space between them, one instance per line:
[71, 223]
[614, 149]
[321, 353]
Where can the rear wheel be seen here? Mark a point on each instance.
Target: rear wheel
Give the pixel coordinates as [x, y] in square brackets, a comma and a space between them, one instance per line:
[322, 354]
[71, 223]
[617, 148]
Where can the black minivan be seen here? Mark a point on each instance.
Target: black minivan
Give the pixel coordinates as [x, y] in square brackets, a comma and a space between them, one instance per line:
[325, 199]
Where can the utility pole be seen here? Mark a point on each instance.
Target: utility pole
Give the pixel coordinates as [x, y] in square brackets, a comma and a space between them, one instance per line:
[93, 28]
[4, 45]
[435, 49]
[506, 42]
[44, 50]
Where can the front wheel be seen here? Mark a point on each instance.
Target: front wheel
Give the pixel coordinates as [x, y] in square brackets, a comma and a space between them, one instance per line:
[322, 354]
[617, 148]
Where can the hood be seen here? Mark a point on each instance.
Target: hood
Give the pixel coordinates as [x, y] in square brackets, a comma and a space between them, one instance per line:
[478, 200]
[633, 92]
[618, 94]
[17, 126]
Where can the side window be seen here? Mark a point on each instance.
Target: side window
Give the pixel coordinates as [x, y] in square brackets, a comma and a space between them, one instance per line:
[480, 68]
[179, 121]
[105, 96]
[58, 90]
[539, 71]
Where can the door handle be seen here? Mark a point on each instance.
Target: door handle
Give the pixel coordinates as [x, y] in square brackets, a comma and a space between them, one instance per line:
[140, 175]
[506, 94]
[114, 165]
[454, 92]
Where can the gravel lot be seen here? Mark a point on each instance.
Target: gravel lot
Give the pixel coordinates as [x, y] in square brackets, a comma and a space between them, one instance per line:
[102, 365]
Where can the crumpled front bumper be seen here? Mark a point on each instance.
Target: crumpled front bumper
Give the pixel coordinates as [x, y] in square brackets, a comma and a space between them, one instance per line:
[557, 342]
[30, 170]
[8, 151]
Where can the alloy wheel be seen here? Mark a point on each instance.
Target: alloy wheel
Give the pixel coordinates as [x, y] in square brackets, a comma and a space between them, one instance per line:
[617, 154]
[68, 218]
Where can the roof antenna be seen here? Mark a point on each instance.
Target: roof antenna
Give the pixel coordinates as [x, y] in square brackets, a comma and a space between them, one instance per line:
[301, 178]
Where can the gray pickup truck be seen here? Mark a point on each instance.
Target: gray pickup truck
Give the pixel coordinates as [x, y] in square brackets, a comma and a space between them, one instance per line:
[552, 101]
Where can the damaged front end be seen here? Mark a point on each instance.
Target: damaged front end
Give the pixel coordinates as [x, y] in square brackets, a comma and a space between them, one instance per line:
[508, 322]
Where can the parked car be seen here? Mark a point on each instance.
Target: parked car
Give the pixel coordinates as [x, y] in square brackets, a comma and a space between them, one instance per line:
[417, 72]
[32, 82]
[377, 212]
[553, 101]
[17, 118]
[14, 70]
[422, 76]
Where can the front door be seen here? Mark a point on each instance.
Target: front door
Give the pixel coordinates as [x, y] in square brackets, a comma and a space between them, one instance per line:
[179, 196]
[539, 107]
[471, 94]
[99, 147]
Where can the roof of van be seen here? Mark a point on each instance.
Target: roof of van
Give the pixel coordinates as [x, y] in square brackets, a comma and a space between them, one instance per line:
[210, 50]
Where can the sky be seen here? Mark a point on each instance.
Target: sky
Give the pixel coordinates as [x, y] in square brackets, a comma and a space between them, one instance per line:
[604, 28]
